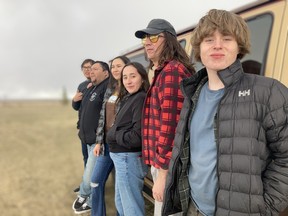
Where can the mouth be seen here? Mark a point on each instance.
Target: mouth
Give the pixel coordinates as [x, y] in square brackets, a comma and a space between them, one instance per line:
[149, 50]
[217, 55]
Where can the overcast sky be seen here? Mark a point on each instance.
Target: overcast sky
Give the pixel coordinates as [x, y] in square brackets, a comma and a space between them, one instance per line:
[43, 42]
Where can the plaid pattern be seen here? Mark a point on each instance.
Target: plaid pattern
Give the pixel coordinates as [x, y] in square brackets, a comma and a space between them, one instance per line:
[100, 133]
[101, 124]
[161, 113]
[183, 186]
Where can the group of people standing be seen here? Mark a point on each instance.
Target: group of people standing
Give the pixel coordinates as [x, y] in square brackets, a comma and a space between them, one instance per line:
[216, 140]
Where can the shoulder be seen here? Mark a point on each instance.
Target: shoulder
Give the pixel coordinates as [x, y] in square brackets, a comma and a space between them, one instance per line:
[140, 95]
[259, 81]
[175, 68]
[83, 84]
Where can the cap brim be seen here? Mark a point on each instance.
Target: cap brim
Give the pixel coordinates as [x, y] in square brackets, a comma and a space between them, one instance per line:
[150, 31]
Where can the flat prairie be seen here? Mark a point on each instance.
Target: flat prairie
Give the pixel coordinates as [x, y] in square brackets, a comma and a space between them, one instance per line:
[40, 159]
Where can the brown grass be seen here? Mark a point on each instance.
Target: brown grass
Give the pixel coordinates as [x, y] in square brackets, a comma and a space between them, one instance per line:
[41, 161]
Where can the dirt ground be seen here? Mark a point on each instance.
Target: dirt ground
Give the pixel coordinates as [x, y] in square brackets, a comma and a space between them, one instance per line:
[41, 160]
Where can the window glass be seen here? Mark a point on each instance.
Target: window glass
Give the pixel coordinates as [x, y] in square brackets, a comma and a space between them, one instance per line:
[140, 58]
[183, 43]
[260, 29]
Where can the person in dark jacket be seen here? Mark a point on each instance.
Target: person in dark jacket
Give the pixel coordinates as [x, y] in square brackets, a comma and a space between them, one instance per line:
[125, 143]
[104, 164]
[230, 155]
[88, 123]
[169, 64]
[77, 99]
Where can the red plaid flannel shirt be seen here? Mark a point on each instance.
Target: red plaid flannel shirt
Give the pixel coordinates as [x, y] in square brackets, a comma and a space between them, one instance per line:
[161, 113]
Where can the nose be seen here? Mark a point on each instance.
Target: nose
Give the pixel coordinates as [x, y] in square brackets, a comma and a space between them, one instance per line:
[146, 42]
[218, 43]
[128, 80]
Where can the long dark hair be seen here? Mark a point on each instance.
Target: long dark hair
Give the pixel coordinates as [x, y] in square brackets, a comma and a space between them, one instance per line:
[172, 49]
[143, 73]
[113, 83]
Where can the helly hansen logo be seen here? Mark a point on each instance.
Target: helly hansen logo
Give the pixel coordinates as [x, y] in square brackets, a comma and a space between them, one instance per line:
[244, 93]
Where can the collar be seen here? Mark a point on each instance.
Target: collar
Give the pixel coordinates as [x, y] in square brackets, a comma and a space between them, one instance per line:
[229, 76]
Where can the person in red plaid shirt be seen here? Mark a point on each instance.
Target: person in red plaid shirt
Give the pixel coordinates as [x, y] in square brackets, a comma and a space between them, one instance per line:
[169, 64]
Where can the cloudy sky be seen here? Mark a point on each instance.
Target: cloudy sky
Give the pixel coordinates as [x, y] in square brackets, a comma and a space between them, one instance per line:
[43, 42]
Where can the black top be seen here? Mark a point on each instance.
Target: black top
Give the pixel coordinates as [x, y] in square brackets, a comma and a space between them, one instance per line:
[76, 105]
[125, 134]
[90, 111]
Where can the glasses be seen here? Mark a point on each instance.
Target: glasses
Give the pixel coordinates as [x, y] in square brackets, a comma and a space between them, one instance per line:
[86, 68]
[152, 38]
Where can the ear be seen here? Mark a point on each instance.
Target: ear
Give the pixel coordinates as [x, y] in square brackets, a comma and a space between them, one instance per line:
[106, 73]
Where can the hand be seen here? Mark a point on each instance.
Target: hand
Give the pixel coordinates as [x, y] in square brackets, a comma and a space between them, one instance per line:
[97, 149]
[159, 185]
[78, 96]
[89, 85]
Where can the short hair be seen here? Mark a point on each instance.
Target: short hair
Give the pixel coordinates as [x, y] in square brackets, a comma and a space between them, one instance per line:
[104, 65]
[227, 23]
[91, 61]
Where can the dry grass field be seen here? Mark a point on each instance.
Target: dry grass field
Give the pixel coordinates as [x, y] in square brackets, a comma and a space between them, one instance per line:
[40, 160]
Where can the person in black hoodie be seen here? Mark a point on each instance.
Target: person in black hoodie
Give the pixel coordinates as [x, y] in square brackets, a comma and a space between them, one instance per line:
[82, 89]
[125, 144]
[88, 123]
[76, 103]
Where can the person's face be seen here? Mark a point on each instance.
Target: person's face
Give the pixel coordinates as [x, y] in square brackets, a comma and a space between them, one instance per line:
[97, 73]
[116, 68]
[218, 51]
[153, 45]
[132, 80]
[86, 70]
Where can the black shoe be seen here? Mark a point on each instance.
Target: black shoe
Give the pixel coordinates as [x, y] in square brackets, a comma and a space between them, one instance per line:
[76, 190]
[83, 209]
[78, 202]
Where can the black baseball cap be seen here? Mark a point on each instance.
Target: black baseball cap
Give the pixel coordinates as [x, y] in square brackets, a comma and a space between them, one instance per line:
[156, 26]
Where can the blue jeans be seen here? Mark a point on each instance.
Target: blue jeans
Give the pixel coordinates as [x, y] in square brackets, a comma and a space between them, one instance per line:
[84, 153]
[102, 169]
[85, 187]
[130, 173]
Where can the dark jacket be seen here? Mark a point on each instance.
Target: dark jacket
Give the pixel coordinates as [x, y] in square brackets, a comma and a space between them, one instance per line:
[251, 131]
[90, 112]
[125, 134]
[77, 105]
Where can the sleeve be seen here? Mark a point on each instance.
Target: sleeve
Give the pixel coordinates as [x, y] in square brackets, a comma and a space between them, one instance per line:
[76, 105]
[101, 124]
[171, 101]
[275, 178]
[129, 135]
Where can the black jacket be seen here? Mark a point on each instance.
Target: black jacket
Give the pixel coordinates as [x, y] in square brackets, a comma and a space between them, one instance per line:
[251, 131]
[77, 105]
[90, 109]
[125, 134]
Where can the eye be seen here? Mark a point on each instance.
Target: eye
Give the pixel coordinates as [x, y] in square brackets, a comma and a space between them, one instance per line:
[207, 40]
[228, 38]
